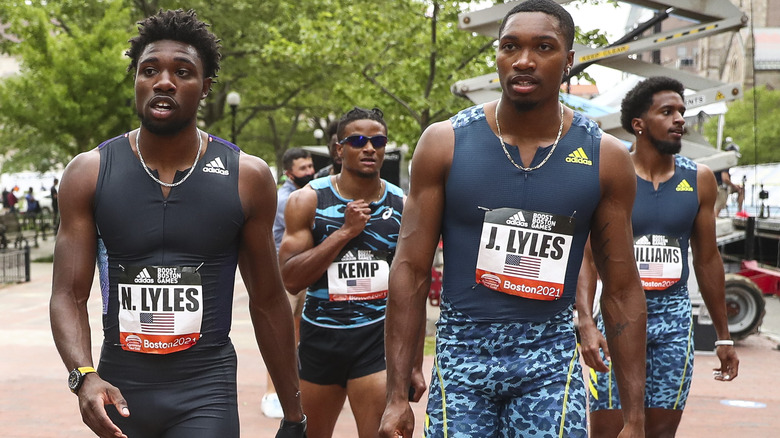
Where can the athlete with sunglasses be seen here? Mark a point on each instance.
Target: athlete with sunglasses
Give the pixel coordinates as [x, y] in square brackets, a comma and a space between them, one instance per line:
[339, 243]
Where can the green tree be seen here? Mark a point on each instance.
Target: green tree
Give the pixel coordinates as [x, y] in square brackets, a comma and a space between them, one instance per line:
[412, 63]
[72, 91]
[296, 65]
[756, 132]
[311, 61]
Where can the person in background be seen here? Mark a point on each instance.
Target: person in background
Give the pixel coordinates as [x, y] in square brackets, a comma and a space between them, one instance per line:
[33, 207]
[12, 199]
[726, 186]
[673, 211]
[55, 202]
[335, 161]
[169, 212]
[298, 170]
[5, 199]
[339, 243]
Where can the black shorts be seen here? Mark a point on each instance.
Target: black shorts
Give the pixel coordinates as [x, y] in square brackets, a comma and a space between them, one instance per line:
[333, 356]
[178, 395]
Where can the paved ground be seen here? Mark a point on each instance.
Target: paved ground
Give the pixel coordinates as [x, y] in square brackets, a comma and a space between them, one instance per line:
[34, 400]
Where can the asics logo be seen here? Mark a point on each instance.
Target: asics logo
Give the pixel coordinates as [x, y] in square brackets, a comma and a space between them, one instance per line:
[216, 166]
[388, 213]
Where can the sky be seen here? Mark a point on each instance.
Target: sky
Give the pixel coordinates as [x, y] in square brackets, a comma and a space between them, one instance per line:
[607, 18]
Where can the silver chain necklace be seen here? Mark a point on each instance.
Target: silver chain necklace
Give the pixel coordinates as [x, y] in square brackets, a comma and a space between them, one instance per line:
[338, 190]
[549, 154]
[149, 172]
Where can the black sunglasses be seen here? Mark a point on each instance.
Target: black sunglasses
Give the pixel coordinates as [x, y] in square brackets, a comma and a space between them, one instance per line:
[359, 141]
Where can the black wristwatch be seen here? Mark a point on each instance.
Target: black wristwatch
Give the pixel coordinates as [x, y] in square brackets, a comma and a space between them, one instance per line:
[292, 429]
[76, 378]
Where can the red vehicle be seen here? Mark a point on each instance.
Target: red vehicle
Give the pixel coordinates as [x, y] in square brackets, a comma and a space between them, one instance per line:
[752, 261]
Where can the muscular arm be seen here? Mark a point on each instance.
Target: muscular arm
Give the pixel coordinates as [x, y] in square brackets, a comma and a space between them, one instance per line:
[623, 301]
[302, 262]
[591, 339]
[726, 178]
[708, 266]
[268, 305]
[74, 269]
[410, 274]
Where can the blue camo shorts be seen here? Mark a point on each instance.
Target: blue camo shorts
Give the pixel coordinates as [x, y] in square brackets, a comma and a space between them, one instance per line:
[669, 357]
[518, 379]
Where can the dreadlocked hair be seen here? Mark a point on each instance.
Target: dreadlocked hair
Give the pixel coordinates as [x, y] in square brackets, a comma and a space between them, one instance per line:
[178, 26]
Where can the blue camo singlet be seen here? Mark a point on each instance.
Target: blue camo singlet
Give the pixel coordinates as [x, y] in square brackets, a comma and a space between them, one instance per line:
[662, 221]
[378, 239]
[481, 178]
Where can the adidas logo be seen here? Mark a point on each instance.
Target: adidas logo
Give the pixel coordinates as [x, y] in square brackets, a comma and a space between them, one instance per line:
[684, 186]
[579, 156]
[517, 219]
[144, 277]
[216, 166]
[349, 257]
[642, 241]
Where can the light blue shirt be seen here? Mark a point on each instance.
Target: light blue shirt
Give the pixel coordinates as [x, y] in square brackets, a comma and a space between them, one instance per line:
[281, 202]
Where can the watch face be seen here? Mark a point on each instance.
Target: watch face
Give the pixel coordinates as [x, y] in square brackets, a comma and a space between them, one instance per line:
[74, 380]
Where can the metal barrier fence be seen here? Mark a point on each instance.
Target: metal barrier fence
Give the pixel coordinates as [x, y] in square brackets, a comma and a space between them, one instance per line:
[15, 265]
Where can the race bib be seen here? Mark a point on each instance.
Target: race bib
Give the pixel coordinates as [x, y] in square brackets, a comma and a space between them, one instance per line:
[659, 260]
[160, 308]
[525, 253]
[358, 275]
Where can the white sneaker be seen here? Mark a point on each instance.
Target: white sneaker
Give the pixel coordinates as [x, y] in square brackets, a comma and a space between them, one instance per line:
[271, 407]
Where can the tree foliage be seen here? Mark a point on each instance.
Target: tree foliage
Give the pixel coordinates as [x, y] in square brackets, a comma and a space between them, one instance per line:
[297, 65]
[756, 132]
[307, 63]
[73, 90]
